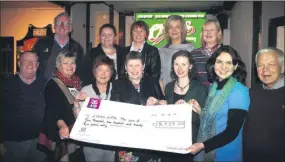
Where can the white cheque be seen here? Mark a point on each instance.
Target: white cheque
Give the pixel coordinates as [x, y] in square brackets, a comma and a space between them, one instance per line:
[163, 127]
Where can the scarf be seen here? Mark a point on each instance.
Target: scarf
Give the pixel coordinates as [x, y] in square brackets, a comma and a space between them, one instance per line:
[213, 103]
[209, 51]
[69, 82]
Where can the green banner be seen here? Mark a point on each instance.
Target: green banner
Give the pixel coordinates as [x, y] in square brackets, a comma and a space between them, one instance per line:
[155, 21]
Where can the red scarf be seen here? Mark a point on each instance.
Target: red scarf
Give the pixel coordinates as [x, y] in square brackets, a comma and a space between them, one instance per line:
[209, 51]
[72, 82]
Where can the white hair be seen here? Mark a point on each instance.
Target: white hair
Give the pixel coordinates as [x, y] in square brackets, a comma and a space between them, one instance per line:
[62, 14]
[279, 54]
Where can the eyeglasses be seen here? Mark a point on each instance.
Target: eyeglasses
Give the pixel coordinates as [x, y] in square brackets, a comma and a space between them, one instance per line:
[66, 24]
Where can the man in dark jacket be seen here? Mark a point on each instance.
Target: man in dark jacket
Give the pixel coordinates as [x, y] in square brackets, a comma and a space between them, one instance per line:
[48, 48]
[264, 128]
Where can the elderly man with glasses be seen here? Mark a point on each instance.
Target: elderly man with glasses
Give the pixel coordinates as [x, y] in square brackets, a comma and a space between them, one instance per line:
[48, 48]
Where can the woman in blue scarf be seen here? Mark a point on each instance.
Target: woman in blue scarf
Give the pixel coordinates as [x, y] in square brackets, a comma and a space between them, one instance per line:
[219, 137]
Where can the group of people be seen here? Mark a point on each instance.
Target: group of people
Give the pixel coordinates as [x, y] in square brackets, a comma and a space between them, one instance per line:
[229, 122]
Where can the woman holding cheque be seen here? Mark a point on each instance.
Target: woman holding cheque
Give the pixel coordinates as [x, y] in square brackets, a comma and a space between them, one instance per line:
[136, 89]
[103, 69]
[220, 137]
[184, 89]
[58, 118]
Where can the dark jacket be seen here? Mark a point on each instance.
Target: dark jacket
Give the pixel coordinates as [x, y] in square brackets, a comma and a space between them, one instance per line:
[151, 60]
[43, 48]
[264, 127]
[86, 74]
[57, 107]
[196, 91]
[124, 91]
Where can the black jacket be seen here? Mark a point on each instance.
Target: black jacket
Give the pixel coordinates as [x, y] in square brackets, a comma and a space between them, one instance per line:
[86, 74]
[124, 91]
[151, 60]
[57, 107]
[196, 91]
[43, 48]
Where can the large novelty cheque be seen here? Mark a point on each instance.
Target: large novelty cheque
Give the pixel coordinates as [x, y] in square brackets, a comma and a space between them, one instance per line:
[162, 127]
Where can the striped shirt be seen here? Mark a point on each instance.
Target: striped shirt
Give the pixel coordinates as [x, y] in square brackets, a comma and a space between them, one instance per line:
[200, 65]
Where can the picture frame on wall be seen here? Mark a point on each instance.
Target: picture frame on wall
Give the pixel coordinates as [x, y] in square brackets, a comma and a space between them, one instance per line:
[33, 34]
[276, 32]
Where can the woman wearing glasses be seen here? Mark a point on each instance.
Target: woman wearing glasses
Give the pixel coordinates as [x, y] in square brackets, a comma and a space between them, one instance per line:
[48, 48]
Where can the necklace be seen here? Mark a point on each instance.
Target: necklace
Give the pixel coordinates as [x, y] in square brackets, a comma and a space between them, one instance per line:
[182, 88]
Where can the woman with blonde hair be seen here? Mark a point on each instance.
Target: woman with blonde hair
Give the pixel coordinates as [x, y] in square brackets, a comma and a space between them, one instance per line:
[58, 120]
[211, 40]
[175, 32]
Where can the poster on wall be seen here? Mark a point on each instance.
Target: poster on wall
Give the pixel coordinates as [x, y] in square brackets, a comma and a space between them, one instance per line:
[33, 34]
[6, 56]
[194, 22]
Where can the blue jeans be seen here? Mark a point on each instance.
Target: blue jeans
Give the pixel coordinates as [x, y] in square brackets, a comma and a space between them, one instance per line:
[24, 151]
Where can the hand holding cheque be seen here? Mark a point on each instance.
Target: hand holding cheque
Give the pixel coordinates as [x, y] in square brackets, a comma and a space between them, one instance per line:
[162, 127]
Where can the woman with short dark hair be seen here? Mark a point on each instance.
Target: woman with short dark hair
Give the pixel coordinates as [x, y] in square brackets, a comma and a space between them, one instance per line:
[220, 132]
[136, 89]
[103, 69]
[139, 33]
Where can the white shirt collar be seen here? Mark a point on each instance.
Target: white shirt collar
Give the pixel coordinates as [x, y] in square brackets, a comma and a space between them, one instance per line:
[133, 48]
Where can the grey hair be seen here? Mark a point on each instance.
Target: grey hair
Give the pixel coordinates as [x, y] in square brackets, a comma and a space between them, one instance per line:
[62, 14]
[279, 54]
[26, 52]
[62, 55]
[183, 27]
[217, 24]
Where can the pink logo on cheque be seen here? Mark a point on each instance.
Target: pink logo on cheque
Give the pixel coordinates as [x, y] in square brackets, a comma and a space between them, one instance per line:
[93, 103]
